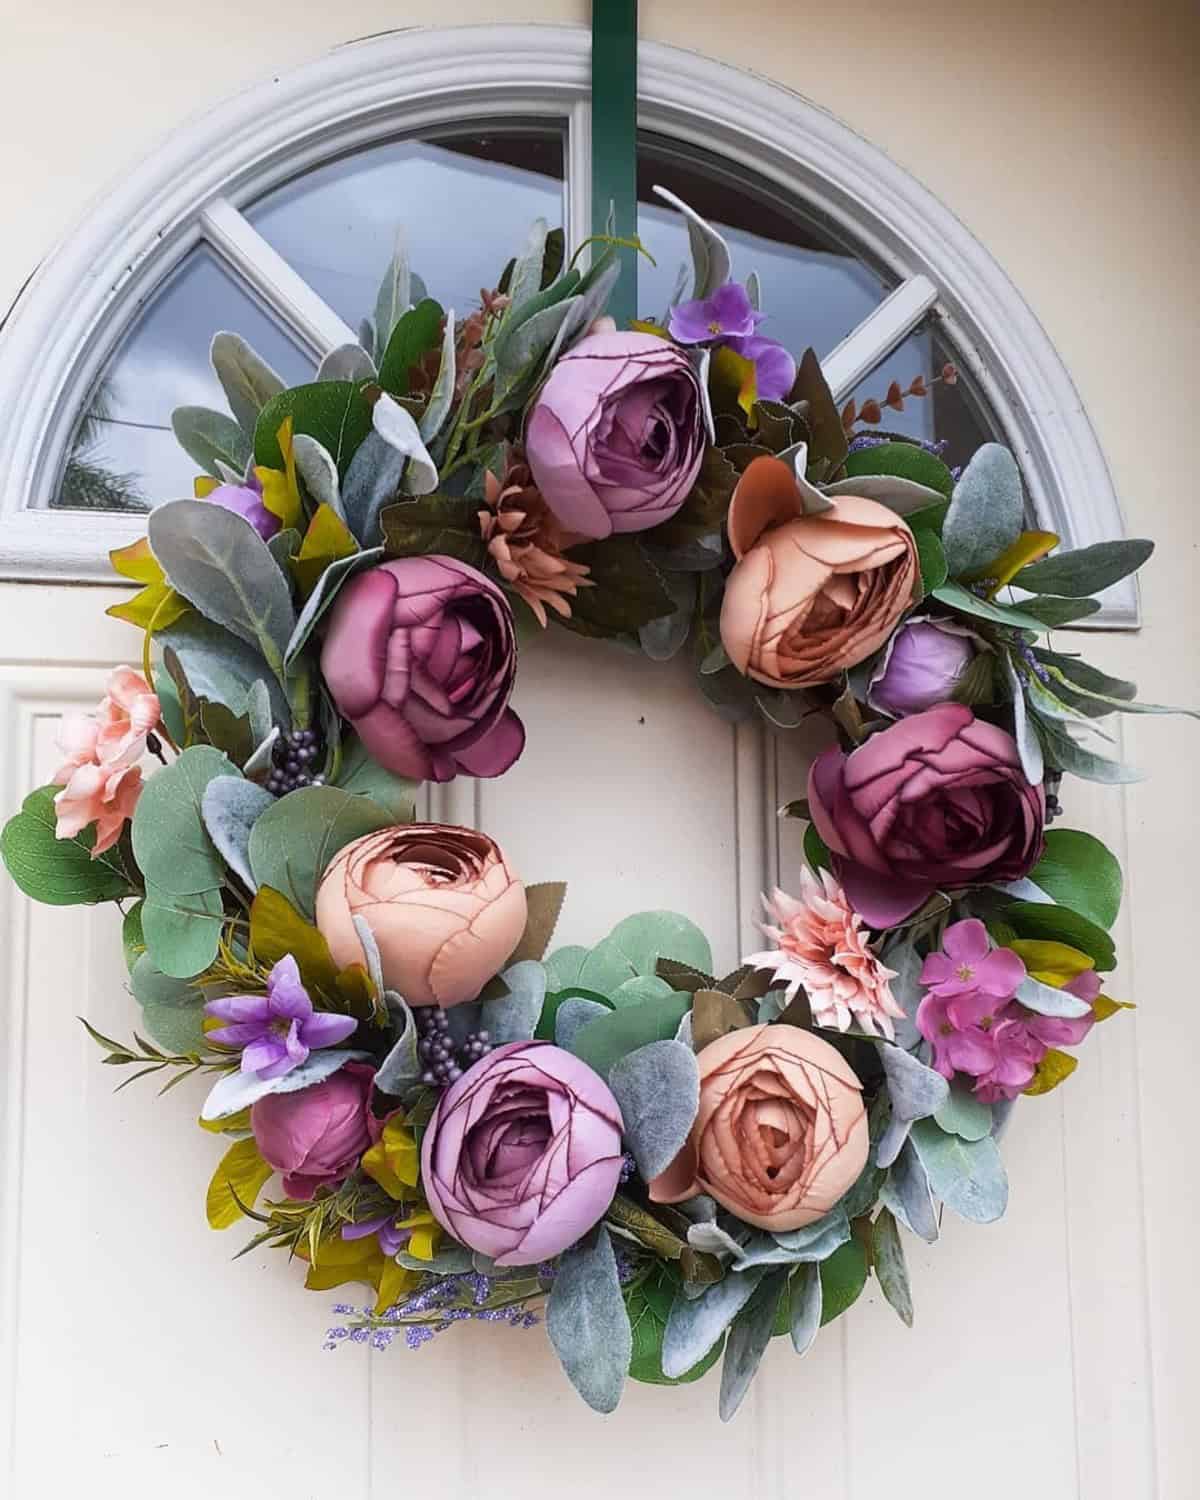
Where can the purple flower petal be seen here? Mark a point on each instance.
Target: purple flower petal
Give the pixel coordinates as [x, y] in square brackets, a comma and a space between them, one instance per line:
[323, 1029]
[264, 1054]
[287, 993]
[775, 369]
[241, 1008]
[238, 1035]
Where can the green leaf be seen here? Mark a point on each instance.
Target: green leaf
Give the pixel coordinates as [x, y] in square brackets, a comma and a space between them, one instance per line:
[1052, 610]
[603, 1042]
[843, 1276]
[929, 517]
[417, 332]
[210, 439]
[816, 851]
[628, 589]
[891, 1271]
[963, 1114]
[59, 872]
[968, 1176]
[219, 666]
[1085, 571]
[293, 842]
[650, 935]
[986, 512]
[658, 1090]
[587, 1321]
[177, 1028]
[220, 564]
[427, 524]
[182, 931]
[360, 774]
[1079, 872]
[1065, 754]
[934, 569]
[1059, 924]
[133, 940]
[323, 595]
[648, 1304]
[335, 412]
[963, 600]
[906, 460]
[248, 381]
[706, 506]
[747, 1341]
[395, 293]
[240, 1176]
[827, 436]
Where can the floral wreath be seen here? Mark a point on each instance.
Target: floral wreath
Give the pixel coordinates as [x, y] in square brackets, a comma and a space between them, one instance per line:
[673, 1166]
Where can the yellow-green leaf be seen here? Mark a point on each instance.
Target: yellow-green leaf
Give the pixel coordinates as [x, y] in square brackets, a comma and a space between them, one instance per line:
[1051, 1071]
[241, 1170]
[1104, 1006]
[280, 491]
[394, 1161]
[326, 540]
[230, 1124]
[277, 928]
[1052, 963]
[137, 562]
[1028, 547]
[733, 379]
[203, 486]
[357, 995]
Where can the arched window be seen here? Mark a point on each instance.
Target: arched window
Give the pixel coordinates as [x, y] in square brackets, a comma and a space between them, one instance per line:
[275, 215]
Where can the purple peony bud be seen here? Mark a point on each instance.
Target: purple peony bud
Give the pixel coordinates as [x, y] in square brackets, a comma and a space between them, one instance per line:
[523, 1153]
[315, 1136]
[923, 664]
[245, 501]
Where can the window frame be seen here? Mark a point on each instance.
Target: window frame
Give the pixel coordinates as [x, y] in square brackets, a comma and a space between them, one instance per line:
[189, 190]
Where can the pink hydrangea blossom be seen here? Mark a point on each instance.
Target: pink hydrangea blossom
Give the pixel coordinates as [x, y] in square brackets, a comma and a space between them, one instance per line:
[968, 962]
[820, 945]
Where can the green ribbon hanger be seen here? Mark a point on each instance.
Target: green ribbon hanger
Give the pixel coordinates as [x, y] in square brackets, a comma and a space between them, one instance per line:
[614, 139]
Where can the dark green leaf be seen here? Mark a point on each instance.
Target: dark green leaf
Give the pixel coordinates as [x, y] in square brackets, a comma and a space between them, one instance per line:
[816, 851]
[932, 560]
[335, 412]
[967, 603]
[628, 591]
[929, 517]
[704, 510]
[1053, 610]
[417, 332]
[1059, 924]
[648, 1304]
[1079, 872]
[843, 1276]
[606, 1040]
[59, 872]
[1085, 571]
[909, 462]
[444, 524]
[827, 436]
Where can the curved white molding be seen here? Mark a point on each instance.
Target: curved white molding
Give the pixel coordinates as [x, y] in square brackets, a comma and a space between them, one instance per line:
[83, 298]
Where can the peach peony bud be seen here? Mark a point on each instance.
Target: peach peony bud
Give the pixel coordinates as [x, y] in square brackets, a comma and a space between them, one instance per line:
[442, 903]
[781, 1133]
[810, 594]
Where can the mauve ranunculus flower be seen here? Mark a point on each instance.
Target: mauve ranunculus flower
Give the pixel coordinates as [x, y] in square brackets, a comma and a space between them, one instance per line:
[245, 501]
[315, 1136]
[781, 1133]
[523, 1153]
[617, 436]
[935, 801]
[420, 656]
[923, 664]
[443, 905]
[810, 594]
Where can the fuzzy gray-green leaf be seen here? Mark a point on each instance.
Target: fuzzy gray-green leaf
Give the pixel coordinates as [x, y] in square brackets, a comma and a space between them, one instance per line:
[588, 1324]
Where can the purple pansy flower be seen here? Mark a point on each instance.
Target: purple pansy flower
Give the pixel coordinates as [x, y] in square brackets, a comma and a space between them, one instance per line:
[278, 1030]
[728, 313]
[774, 367]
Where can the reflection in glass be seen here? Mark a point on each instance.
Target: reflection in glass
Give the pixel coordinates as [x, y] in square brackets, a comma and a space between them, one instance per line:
[124, 455]
[464, 206]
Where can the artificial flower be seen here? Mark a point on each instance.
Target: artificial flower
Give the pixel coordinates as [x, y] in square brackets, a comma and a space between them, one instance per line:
[442, 903]
[278, 1030]
[99, 795]
[617, 435]
[922, 666]
[727, 313]
[781, 1132]
[774, 367]
[347, 1257]
[810, 595]
[315, 1136]
[245, 500]
[820, 946]
[968, 963]
[523, 1154]
[420, 655]
[526, 543]
[937, 801]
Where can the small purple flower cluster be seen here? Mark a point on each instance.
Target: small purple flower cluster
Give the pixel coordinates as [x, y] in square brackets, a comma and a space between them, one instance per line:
[438, 1297]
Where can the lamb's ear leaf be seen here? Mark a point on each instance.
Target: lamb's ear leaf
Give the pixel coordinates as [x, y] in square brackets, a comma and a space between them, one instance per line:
[658, 1089]
[747, 1342]
[587, 1321]
[986, 511]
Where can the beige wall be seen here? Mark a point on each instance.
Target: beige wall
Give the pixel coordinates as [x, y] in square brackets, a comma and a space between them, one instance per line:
[1063, 134]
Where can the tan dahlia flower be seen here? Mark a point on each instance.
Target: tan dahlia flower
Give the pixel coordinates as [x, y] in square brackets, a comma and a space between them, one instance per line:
[527, 543]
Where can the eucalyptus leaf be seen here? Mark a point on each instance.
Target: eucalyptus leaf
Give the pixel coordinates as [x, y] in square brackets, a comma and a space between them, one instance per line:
[968, 1176]
[151, 986]
[219, 563]
[230, 807]
[964, 1115]
[211, 439]
[360, 774]
[237, 1091]
[638, 990]
[748, 1338]
[293, 842]
[182, 930]
[696, 1324]
[604, 1041]
[170, 843]
[588, 1324]
[248, 381]
[987, 511]
[805, 1307]
[564, 966]
[658, 1090]
[572, 1015]
[650, 935]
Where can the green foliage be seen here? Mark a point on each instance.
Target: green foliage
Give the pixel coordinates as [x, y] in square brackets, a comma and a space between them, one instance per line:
[1080, 873]
[418, 331]
[968, 1176]
[606, 1040]
[628, 590]
[293, 842]
[587, 1321]
[648, 1304]
[211, 439]
[248, 381]
[934, 569]
[133, 940]
[961, 599]
[335, 412]
[909, 462]
[816, 850]
[360, 774]
[1059, 924]
[1075, 575]
[1052, 610]
[986, 512]
[843, 1276]
[59, 872]
[891, 1271]
[704, 510]
[444, 524]
[827, 436]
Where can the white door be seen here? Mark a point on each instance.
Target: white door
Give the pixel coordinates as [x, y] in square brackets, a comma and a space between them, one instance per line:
[141, 1357]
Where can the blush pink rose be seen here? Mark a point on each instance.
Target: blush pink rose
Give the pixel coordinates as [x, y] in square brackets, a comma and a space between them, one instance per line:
[442, 903]
[937, 801]
[315, 1136]
[617, 436]
[781, 1133]
[523, 1153]
[810, 594]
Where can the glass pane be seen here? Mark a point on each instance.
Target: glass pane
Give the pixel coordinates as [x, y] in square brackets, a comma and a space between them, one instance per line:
[124, 455]
[464, 204]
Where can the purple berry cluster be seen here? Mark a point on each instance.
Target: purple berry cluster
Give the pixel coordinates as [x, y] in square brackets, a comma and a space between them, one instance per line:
[1052, 781]
[293, 757]
[444, 1060]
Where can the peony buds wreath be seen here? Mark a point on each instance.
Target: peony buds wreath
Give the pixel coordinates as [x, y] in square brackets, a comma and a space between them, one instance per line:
[415, 1090]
